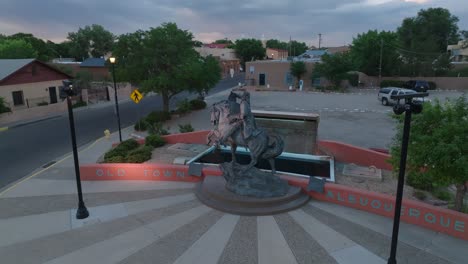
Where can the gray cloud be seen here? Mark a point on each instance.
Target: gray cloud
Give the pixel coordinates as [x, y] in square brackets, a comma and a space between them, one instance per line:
[337, 20]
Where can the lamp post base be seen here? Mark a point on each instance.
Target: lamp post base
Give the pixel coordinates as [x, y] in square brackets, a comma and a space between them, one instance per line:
[391, 261]
[82, 212]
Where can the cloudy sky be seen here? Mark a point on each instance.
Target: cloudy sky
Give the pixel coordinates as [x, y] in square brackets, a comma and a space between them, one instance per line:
[337, 20]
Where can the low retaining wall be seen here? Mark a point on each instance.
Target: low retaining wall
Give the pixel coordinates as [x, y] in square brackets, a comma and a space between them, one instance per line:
[413, 212]
[351, 154]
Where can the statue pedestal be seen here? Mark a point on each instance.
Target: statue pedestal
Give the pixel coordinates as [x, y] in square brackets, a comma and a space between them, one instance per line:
[213, 192]
[253, 182]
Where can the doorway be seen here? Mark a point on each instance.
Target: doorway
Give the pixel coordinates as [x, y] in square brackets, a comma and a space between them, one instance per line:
[261, 79]
[53, 95]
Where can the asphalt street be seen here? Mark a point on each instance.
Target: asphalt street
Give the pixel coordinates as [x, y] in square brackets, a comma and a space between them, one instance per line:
[26, 148]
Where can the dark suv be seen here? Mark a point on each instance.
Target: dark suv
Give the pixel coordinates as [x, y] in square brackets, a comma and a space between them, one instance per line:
[416, 85]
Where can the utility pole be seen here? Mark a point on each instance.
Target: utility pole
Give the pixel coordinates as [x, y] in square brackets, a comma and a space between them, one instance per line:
[380, 65]
[290, 46]
[320, 40]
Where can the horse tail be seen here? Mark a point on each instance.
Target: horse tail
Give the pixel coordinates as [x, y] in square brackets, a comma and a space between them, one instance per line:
[275, 147]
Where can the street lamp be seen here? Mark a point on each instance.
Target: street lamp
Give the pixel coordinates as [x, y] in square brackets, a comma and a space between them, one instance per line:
[68, 91]
[112, 61]
[408, 108]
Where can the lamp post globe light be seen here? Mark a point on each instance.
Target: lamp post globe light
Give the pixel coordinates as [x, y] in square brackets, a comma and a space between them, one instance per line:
[409, 107]
[68, 92]
[112, 61]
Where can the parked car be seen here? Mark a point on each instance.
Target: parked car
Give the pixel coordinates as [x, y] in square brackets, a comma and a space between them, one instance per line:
[417, 85]
[385, 94]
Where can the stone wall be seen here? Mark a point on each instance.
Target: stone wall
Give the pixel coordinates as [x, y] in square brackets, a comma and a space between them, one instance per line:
[298, 130]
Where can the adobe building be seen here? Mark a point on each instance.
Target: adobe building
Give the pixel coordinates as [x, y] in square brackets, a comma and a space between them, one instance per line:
[275, 74]
[276, 54]
[26, 83]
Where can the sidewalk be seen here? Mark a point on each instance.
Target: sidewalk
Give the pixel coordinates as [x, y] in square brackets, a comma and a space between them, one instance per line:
[163, 222]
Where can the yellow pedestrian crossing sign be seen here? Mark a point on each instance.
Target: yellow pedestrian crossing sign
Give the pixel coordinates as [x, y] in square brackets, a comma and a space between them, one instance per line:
[136, 96]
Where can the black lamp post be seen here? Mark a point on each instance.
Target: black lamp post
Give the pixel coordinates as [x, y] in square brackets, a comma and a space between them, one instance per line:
[408, 108]
[68, 91]
[112, 61]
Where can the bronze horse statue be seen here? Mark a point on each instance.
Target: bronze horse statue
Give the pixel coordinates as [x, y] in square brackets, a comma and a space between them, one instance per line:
[230, 127]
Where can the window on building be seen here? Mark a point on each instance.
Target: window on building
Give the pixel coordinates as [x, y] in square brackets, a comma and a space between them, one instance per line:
[18, 98]
[316, 82]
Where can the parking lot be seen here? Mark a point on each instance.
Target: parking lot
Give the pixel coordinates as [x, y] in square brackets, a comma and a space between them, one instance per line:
[356, 118]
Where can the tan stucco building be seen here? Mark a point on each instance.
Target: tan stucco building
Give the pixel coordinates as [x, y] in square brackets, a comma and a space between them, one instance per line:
[276, 54]
[459, 52]
[25, 83]
[275, 74]
[221, 53]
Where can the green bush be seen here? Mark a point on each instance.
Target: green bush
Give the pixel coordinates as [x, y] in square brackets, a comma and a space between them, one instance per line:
[141, 125]
[115, 152]
[353, 79]
[418, 182]
[79, 104]
[139, 155]
[443, 195]
[3, 107]
[157, 129]
[197, 104]
[184, 106]
[185, 128]
[42, 103]
[420, 195]
[158, 116]
[391, 83]
[115, 159]
[128, 145]
[155, 141]
[432, 85]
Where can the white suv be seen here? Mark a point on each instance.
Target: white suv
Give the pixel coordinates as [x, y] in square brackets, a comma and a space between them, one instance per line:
[385, 94]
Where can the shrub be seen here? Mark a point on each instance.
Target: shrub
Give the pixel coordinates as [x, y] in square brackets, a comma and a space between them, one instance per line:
[139, 155]
[79, 104]
[353, 79]
[418, 182]
[420, 195]
[184, 106]
[155, 141]
[158, 116]
[3, 107]
[115, 152]
[391, 83]
[185, 128]
[115, 159]
[128, 145]
[141, 125]
[443, 195]
[42, 103]
[432, 85]
[197, 104]
[157, 129]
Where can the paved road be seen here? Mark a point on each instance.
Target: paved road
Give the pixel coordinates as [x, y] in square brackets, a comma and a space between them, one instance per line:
[26, 148]
[356, 118]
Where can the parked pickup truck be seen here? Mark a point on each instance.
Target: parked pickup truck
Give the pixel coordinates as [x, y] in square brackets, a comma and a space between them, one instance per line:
[385, 94]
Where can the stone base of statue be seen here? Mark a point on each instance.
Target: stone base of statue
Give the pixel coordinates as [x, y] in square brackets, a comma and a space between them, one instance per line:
[252, 182]
[214, 192]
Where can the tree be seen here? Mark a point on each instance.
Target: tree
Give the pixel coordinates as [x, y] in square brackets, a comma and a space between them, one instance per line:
[94, 41]
[334, 67]
[16, 49]
[205, 74]
[249, 50]
[197, 43]
[297, 48]
[438, 147]
[366, 49]
[160, 59]
[44, 51]
[424, 38]
[297, 69]
[223, 41]
[276, 44]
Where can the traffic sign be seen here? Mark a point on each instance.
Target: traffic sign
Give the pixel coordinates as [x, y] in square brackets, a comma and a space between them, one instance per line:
[136, 96]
